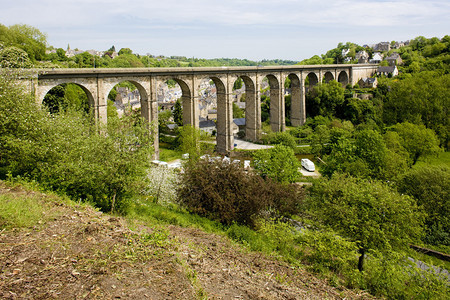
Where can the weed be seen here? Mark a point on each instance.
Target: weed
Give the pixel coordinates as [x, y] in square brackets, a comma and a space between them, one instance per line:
[17, 212]
[192, 276]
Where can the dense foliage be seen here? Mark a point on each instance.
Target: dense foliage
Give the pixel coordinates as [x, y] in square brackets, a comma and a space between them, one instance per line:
[65, 153]
[430, 186]
[25, 37]
[227, 193]
[367, 212]
[278, 163]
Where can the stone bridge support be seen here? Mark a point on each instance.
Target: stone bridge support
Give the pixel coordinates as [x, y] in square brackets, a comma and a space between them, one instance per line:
[298, 111]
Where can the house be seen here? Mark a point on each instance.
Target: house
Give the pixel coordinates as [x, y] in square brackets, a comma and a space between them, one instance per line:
[212, 114]
[383, 46]
[208, 126]
[368, 83]
[71, 53]
[398, 45]
[376, 58]
[387, 71]
[238, 125]
[394, 59]
[345, 52]
[95, 52]
[362, 57]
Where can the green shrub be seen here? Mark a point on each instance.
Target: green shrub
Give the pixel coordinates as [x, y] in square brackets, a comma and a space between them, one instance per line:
[430, 186]
[278, 163]
[283, 138]
[225, 192]
[325, 250]
[282, 237]
[64, 152]
[395, 277]
[22, 211]
[249, 238]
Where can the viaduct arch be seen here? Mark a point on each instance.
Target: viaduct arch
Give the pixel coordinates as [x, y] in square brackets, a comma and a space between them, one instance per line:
[97, 83]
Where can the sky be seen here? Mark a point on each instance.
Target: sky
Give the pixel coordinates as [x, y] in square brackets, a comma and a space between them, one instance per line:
[251, 29]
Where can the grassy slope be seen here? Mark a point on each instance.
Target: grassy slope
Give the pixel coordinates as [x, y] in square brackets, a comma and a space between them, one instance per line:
[59, 249]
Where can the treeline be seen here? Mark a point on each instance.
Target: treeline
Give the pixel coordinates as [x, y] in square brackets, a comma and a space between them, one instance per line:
[127, 59]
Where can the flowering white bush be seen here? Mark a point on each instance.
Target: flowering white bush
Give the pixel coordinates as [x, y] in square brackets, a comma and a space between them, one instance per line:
[163, 182]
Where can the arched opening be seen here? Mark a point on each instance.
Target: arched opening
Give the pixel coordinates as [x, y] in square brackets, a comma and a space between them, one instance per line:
[124, 99]
[68, 96]
[239, 106]
[224, 115]
[170, 109]
[311, 81]
[207, 94]
[311, 107]
[272, 103]
[265, 101]
[294, 107]
[246, 109]
[128, 100]
[343, 78]
[328, 77]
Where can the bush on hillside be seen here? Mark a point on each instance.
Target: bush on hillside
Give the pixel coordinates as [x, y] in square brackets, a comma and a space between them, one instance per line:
[64, 152]
[227, 193]
[430, 186]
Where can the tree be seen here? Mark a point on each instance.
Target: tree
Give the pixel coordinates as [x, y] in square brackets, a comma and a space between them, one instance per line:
[163, 119]
[126, 60]
[237, 111]
[178, 113]
[371, 148]
[418, 140]
[13, 57]
[360, 111]
[430, 186]
[366, 212]
[325, 99]
[125, 51]
[54, 99]
[238, 84]
[25, 37]
[319, 140]
[84, 60]
[65, 153]
[278, 163]
[189, 140]
[423, 98]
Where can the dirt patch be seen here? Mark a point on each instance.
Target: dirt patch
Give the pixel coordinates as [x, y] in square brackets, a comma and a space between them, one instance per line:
[80, 253]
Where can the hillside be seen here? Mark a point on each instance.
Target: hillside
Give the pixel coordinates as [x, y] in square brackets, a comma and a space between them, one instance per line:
[72, 251]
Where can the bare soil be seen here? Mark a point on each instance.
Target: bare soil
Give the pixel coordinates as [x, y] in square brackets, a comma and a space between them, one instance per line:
[76, 252]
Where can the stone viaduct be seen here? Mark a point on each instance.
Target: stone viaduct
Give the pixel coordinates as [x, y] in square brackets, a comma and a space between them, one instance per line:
[97, 83]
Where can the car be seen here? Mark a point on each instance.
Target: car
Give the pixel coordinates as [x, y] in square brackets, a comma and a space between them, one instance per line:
[308, 165]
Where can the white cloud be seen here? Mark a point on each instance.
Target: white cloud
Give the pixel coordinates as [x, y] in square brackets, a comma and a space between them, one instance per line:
[226, 13]
[259, 27]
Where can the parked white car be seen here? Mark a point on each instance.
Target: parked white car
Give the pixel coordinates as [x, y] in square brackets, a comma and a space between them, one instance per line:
[308, 165]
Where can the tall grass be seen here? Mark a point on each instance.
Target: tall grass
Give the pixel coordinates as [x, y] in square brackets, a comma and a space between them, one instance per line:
[19, 211]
